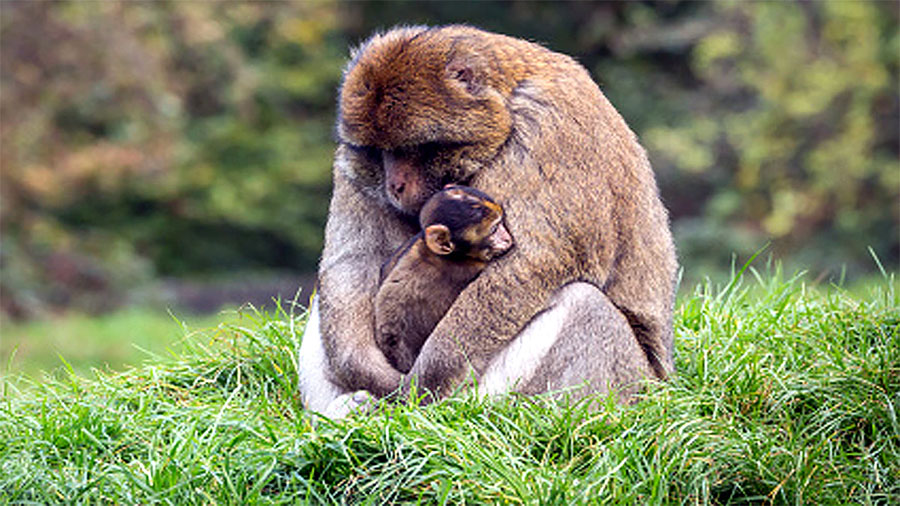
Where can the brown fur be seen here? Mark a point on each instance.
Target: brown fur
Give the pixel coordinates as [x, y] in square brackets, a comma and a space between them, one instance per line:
[420, 281]
[527, 126]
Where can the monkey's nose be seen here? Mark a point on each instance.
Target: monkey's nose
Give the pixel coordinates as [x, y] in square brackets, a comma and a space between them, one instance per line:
[398, 188]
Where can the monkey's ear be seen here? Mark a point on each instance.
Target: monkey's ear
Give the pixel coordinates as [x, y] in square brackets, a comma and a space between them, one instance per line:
[437, 238]
[465, 71]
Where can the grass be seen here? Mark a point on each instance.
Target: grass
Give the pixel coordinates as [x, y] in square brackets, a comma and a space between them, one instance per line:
[82, 342]
[785, 394]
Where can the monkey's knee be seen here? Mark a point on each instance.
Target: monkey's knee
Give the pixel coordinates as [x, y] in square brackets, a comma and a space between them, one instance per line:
[584, 298]
[595, 351]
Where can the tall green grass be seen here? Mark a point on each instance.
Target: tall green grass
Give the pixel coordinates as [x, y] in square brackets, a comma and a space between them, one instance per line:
[84, 342]
[784, 394]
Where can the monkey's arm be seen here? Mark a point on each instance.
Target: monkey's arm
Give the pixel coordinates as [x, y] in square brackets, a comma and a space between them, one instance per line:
[491, 311]
[359, 234]
[634, 266]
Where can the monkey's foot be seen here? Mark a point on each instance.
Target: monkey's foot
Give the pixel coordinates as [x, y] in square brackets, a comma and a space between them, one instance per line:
[360, 401]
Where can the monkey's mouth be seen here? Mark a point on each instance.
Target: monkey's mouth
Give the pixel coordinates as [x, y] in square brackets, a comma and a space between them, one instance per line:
[491, 254]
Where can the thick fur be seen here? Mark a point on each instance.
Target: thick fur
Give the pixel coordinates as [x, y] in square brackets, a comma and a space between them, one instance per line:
[529, 127]
[580, 345]
[419, 284]
[413, 298]
[558, 352]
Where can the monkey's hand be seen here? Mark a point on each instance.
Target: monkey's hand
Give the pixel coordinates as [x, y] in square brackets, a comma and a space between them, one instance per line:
[356, 362]
[360, 401]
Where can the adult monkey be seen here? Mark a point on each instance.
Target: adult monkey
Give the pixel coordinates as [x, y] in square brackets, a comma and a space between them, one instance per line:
[586, 295]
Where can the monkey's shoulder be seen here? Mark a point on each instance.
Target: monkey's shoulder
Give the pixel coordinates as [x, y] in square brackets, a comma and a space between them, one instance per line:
[414, 265]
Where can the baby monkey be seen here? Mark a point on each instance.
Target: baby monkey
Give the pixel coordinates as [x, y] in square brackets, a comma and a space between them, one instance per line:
[462, 229]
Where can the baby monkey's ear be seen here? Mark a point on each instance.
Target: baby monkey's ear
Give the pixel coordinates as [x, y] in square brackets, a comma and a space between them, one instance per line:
[437, 238]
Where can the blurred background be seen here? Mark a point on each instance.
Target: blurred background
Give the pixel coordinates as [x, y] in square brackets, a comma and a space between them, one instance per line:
[175, 156]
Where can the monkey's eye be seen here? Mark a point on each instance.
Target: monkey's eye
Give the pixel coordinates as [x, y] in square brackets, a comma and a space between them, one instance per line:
[497, 222]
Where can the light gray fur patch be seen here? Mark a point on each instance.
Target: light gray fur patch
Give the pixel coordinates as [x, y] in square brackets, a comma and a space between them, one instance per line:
[316, 390]
[519, 361]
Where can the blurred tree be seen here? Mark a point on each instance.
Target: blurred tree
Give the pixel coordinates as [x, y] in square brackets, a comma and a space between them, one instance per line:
[794, 128]
[141, 139]
[184, 138]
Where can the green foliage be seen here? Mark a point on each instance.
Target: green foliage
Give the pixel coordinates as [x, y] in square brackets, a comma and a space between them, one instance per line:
[192, 137]
[185, 138]
[784, 394]
[796, 126]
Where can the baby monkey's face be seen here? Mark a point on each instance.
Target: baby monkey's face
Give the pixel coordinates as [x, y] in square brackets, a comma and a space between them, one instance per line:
[465, 222]
[491, 238]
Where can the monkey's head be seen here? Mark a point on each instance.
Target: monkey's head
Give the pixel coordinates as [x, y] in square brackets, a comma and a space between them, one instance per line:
[462, 222]
[422, 107]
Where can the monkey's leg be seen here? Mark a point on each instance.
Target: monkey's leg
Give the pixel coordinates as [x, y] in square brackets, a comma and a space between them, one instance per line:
[582, 344]
[316, 389]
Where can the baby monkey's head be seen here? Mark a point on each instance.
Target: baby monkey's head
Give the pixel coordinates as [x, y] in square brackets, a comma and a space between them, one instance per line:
[462, 222]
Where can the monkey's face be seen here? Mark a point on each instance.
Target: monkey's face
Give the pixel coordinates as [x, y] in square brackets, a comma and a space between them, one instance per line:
[466, 223]
[412, 176]
[491, 241]
[428, 106]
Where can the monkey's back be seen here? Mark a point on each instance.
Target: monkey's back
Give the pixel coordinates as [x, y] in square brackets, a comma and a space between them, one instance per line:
[413, 297]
